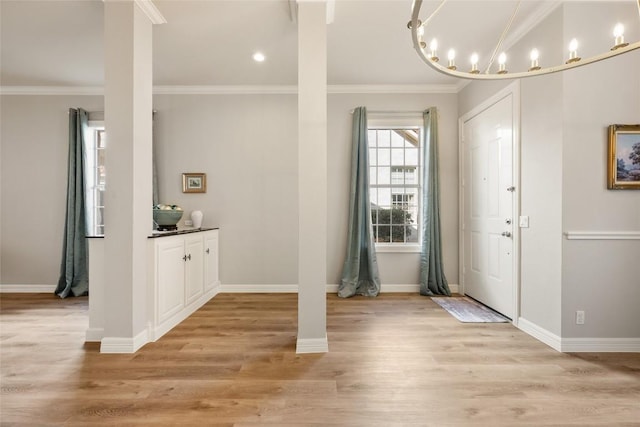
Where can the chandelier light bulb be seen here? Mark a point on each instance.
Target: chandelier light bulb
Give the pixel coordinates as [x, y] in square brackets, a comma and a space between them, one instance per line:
[428, 51]
[474, 63]
[451, 56]
[433, 47]
[421, 31]
[502, 63]
[618, 30]
[573, 52]
[534, 55]
[259, 57]
[618, 33]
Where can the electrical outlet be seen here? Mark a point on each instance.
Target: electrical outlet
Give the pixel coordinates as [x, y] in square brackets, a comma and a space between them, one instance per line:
[579, 317]
[188, 223]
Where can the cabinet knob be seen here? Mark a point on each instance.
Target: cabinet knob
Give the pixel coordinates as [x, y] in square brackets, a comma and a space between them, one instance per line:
[184, 258]
[189, 257]
[207, 251]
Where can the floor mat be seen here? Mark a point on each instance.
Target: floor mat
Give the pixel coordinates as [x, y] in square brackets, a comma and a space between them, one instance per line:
[467, 310]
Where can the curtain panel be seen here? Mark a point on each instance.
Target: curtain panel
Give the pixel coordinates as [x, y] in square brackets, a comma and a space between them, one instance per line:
[74, 269]
[432, 278]
[360, 271]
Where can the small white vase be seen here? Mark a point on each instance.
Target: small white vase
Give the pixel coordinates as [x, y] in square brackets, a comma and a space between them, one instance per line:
[196, 218]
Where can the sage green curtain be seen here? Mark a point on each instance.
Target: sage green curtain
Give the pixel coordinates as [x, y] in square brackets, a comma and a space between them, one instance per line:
[360, 271]
[74, 270]
[432, 279]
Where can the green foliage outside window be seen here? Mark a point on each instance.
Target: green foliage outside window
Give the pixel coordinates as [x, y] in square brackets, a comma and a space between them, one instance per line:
[391, 225]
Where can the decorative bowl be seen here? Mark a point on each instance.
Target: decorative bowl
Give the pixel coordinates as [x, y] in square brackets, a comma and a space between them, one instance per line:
[167, 217]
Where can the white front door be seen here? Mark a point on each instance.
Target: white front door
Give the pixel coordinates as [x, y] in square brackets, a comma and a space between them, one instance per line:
[488, 206]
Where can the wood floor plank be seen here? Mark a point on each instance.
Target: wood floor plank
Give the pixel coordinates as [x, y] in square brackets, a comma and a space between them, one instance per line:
[394, 360]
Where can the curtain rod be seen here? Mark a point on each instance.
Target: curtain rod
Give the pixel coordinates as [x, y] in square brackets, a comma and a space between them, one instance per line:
[102, 112]
[389, 112]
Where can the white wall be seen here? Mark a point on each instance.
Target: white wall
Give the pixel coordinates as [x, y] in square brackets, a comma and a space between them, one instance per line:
[34, 145]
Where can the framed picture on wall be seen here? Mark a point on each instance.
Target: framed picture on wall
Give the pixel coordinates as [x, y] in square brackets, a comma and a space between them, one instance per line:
[194, 182]
[623, 171]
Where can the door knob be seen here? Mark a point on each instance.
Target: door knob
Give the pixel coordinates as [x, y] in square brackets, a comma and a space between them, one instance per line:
[506, 234]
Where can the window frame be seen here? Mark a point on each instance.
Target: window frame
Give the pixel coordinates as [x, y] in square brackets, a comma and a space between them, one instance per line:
[91, 178]
[398, 122]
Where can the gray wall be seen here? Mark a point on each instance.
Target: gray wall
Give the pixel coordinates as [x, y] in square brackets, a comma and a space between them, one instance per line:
[395, 268]
[540, 178]
[600, 277]
[247, 146]
[563, 179]
[34, 139]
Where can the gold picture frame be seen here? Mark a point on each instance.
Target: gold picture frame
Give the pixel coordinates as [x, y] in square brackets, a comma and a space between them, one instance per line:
[623, 168]
[194, 182]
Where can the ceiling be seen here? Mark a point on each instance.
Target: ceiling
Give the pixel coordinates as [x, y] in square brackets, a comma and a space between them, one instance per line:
[210, 42]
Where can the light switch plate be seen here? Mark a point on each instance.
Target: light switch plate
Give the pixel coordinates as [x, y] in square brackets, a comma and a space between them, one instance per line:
[524, 221]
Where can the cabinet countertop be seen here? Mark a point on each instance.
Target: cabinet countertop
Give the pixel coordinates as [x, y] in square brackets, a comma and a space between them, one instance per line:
[156, 233]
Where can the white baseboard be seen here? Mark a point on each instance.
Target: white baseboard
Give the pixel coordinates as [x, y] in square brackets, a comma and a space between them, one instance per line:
[259, 289]
[312, 345]
[331, 288]
[124, 345]
[27, 289]
[541, 334]
[601, 345]
[580, 345]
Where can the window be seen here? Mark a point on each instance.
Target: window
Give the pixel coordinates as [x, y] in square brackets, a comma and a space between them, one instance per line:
[95, 143]
[394, 184]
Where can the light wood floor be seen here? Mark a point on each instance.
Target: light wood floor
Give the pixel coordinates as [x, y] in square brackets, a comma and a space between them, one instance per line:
[396, 360]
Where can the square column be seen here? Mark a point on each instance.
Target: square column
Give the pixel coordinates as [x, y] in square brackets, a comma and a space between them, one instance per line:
[128, 195]
[312, 177]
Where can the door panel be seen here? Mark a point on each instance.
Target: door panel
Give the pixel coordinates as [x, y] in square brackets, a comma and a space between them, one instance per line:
[488, 207]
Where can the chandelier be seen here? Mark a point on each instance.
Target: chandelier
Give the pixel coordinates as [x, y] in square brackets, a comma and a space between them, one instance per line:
[429, 53]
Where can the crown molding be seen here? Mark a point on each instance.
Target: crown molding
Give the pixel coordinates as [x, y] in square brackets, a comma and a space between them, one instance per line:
[51, 90]
[531, 22]
[237, 89]
[151, 11]
[226, 90]
[400, 89]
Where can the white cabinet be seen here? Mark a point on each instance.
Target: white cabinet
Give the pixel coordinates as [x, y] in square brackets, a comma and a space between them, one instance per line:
[194, 267]
[211, 279]
[170, 270]
[183, 276]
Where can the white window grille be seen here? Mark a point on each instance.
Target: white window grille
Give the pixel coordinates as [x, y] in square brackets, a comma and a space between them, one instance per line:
[95, 178]
[394, 184]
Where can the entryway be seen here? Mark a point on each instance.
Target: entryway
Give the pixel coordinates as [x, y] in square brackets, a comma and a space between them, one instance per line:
[489, 207]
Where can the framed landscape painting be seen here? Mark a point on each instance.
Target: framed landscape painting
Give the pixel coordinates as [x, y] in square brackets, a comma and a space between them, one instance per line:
[623, 171]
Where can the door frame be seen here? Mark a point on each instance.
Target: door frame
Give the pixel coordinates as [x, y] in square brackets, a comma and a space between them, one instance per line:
[512, 90]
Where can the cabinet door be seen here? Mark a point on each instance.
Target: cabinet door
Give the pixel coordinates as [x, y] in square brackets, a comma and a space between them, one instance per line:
[170, 277]
[210, 259]
[194, 278]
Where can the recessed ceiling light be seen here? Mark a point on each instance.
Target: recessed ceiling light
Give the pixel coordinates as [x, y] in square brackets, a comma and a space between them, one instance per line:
[259, 57]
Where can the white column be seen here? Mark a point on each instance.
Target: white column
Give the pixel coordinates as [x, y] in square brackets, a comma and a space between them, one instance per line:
[312, 176]
[128, 198]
